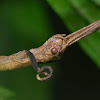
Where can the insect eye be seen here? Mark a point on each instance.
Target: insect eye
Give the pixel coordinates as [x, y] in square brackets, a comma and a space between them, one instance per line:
[54, 50]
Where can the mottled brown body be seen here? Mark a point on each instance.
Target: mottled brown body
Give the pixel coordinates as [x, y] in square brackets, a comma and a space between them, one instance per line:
[44, 53]
[51, 50]
[14, 61]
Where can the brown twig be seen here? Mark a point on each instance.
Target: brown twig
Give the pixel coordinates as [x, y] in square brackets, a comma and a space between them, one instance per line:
[51, 50]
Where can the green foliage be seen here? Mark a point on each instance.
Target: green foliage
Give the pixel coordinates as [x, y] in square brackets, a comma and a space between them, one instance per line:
[97, 2]
[27, 19]
[6, 94]
[77, 14]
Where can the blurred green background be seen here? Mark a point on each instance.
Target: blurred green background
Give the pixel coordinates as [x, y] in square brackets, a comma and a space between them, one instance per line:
[28, 24]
